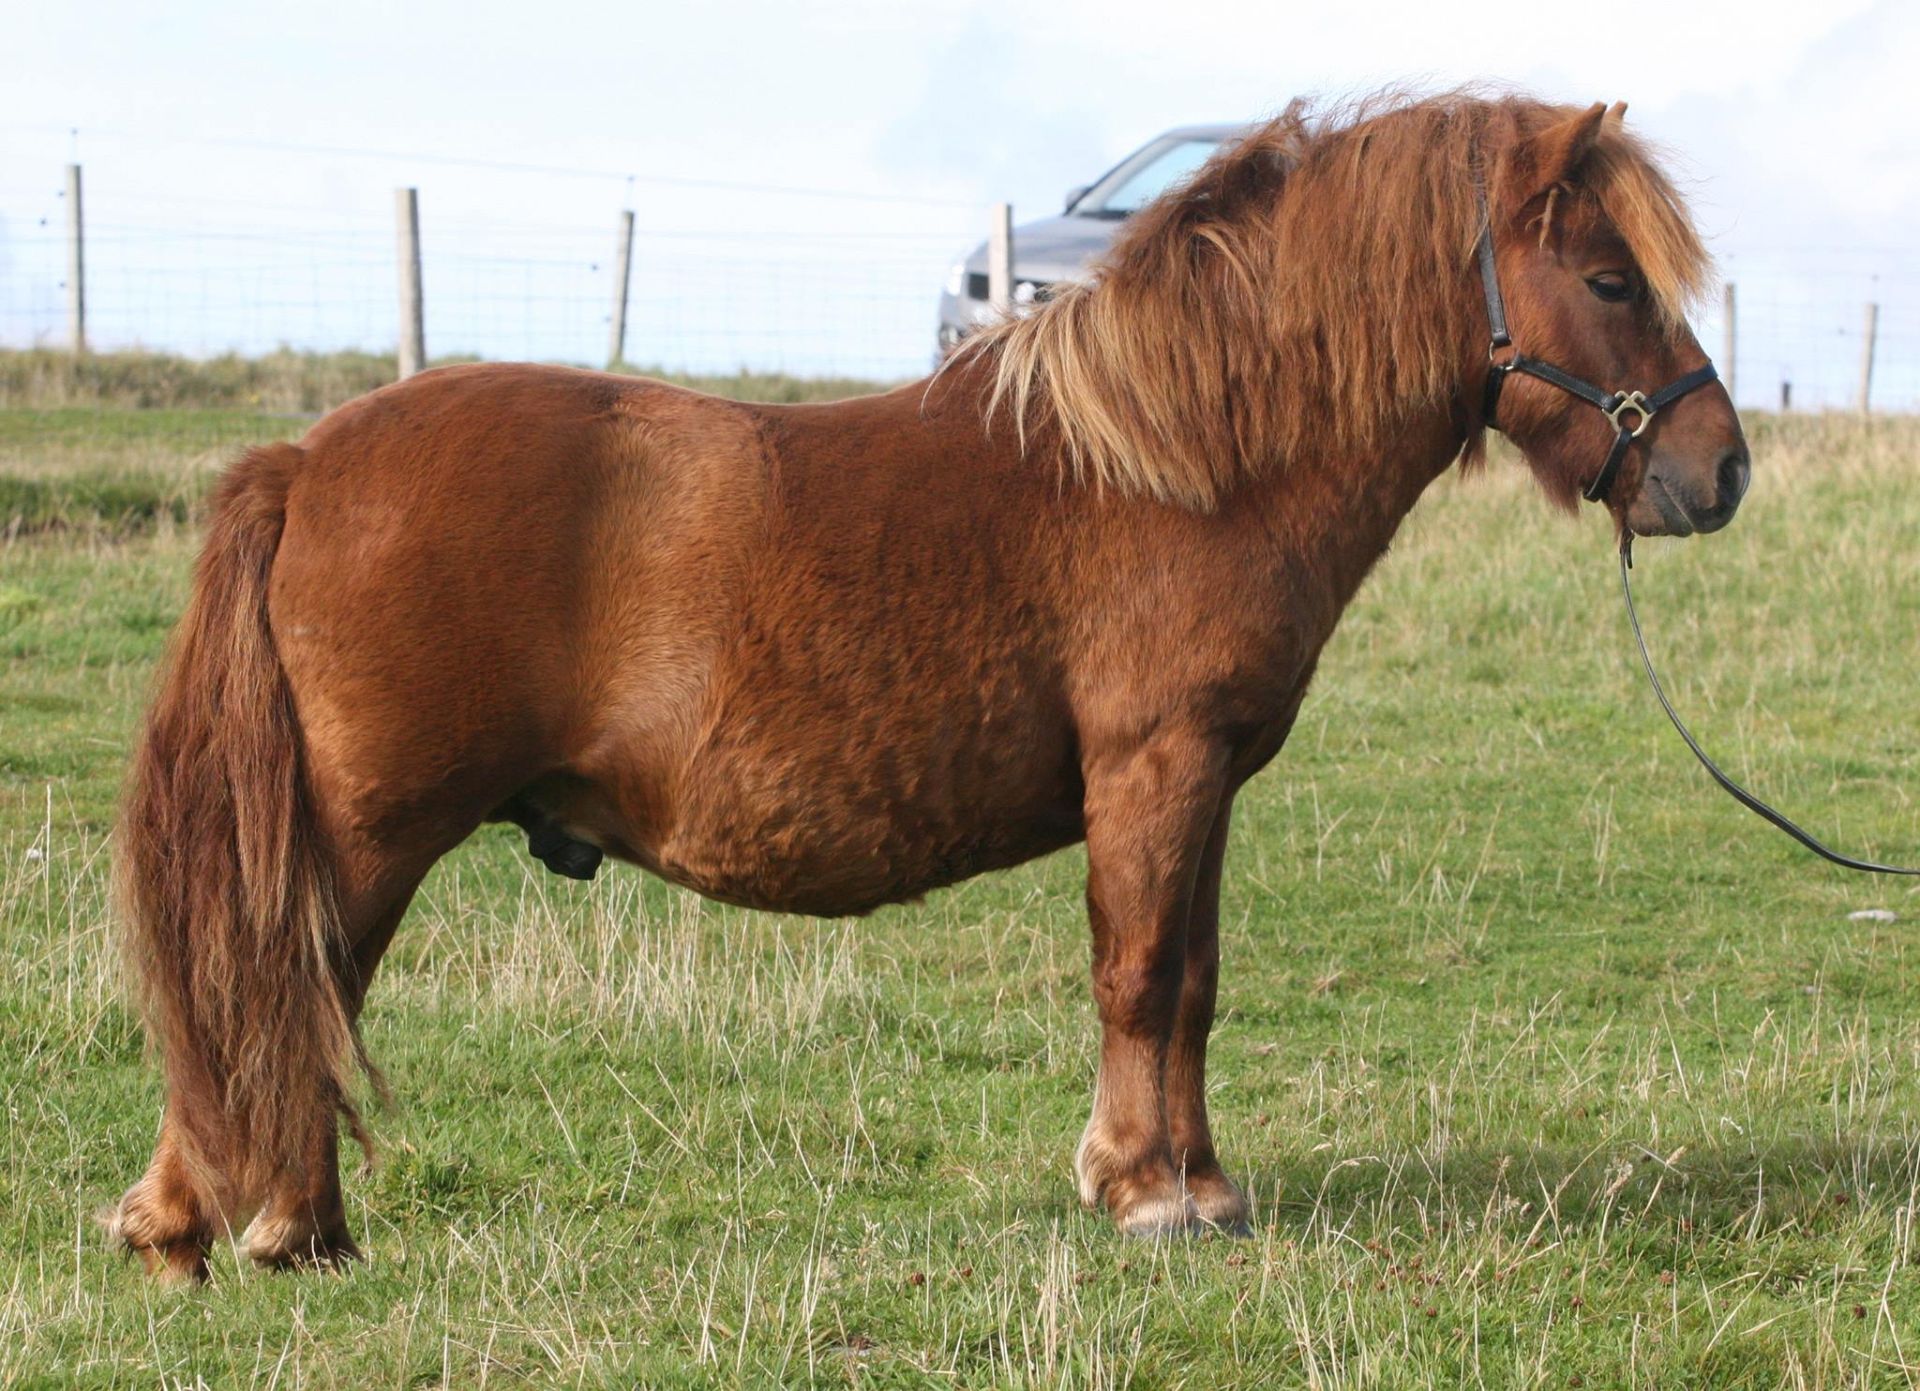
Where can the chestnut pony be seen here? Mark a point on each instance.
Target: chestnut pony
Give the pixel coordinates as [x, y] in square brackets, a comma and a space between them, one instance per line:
[820, 658]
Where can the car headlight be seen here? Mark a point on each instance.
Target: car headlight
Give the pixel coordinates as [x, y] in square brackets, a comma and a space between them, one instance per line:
[957, 279]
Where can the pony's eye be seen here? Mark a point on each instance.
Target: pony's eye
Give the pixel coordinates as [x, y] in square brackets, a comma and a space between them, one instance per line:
[1611, 287]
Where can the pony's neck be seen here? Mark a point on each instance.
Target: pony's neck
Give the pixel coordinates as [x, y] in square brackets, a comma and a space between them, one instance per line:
[1333, 515]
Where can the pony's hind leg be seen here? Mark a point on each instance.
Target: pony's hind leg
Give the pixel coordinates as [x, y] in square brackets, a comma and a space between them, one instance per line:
[164, 1219]
[1217, 1200]
[1150, 812]
[302, 1222]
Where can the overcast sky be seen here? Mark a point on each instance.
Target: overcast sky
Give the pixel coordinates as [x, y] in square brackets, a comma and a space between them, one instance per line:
[234, 198]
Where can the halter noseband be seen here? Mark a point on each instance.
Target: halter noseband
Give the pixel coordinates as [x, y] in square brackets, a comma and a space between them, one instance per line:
[1613, 404]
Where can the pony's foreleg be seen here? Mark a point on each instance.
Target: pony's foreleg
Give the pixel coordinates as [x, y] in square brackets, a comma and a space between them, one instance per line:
[1150, 811]
[1216, 1199]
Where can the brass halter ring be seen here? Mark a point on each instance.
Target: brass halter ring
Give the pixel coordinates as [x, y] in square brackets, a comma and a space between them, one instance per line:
[1630, 401]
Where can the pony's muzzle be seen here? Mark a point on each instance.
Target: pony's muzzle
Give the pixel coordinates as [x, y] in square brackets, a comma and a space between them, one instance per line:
[1736, 472]
[1669, 505]
[1730, 483]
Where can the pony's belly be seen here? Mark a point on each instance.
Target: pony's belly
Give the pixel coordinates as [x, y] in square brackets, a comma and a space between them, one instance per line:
[843, 878]
[841, 855]
[842, 826]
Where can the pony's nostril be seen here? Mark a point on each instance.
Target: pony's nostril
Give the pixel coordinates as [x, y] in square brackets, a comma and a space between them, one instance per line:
[1735, 472]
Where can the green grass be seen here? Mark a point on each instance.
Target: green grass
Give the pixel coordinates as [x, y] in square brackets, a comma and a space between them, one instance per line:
[1546, 1064]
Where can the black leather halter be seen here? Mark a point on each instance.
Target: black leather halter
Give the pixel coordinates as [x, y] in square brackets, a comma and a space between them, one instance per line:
[1616, 404]
[1613, 404]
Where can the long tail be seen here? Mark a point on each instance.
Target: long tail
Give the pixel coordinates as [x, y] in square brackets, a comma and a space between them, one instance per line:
[227, 887]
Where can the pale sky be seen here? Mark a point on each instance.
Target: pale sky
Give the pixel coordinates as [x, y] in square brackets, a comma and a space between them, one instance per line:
[236, 195]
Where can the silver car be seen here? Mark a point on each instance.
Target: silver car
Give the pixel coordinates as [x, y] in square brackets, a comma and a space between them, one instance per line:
[1060, 248]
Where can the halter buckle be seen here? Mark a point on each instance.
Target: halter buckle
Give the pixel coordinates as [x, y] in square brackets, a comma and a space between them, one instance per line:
[1630, 401]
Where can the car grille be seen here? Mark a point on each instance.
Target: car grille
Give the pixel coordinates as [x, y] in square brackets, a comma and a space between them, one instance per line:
[977, 289]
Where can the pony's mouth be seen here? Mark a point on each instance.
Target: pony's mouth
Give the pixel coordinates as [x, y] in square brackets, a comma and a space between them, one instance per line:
[1675, 520]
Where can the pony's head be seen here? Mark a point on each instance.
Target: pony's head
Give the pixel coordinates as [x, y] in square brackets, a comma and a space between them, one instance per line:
[1597, 261]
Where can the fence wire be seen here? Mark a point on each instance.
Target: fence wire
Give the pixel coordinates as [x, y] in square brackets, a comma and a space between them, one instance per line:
[770, 279]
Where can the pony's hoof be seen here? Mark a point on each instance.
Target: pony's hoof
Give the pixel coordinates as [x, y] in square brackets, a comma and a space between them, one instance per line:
[170, 1257]
[287, 1245]
[1156, 1216]
[320, 1256]
[1220, 1204]
[179, 1263]
[1160, 1223]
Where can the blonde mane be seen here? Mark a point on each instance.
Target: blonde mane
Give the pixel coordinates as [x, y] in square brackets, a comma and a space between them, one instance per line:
[1307, 289]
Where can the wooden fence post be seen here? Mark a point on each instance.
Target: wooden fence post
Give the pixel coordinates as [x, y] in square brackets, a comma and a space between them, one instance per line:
[413, 326]
[1000, 258]
[76, 265]
[1871, 331]
[622, 268]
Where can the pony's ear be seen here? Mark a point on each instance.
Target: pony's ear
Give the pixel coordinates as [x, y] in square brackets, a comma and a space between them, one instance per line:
[1554, 155]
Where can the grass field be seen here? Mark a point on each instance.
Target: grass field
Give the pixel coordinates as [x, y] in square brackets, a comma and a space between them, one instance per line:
[1546, 1065]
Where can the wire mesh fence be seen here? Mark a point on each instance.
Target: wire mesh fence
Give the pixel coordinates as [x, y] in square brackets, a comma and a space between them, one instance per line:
[1802, 321]
[846, 305]
[809, 282]
[812, 282]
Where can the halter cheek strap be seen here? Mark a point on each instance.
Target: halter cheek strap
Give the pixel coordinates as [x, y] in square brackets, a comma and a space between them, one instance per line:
[1615, 405]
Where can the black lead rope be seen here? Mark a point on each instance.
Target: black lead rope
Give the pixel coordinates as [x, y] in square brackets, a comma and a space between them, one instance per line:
[1733, 789]
[1616, 404]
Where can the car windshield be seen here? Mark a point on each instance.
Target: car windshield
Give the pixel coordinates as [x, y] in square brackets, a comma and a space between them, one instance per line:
[1144, 177]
